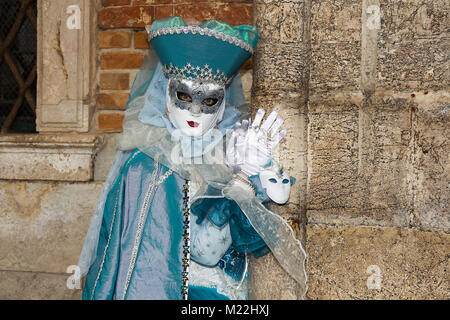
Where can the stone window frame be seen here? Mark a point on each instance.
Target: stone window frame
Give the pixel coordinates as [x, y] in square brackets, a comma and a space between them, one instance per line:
[65, 146]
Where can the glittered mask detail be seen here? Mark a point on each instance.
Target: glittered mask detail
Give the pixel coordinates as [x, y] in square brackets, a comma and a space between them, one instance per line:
[196, 96]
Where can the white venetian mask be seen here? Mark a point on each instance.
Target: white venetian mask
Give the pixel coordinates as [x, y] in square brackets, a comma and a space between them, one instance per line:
[277, 186]
[195, 107]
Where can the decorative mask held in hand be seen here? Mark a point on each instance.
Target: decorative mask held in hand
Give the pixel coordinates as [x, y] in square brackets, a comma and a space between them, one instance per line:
[195, 107]
[277, 185]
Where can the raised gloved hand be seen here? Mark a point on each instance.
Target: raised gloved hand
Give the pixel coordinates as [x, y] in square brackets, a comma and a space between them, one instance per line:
[251, 145]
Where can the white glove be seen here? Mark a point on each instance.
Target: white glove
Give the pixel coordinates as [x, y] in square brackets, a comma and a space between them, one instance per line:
[251, 146]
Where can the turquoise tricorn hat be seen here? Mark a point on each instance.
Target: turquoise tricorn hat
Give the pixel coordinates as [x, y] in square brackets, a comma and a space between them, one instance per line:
[211, 51]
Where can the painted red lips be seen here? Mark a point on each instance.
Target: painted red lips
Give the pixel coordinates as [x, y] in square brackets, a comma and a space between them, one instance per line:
[193, 124]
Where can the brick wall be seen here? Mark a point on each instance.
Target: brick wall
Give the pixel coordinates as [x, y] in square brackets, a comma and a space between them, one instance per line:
[123, 44]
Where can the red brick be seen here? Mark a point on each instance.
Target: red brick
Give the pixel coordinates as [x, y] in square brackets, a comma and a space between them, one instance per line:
[162, 12]
[233, 13]
[110, 122]
[149, 2]
[217, 1]
[141, 40]
[125, 17]
[114, 81]
[112, 101]
[114, 39]
[121, 60]
[110, 3]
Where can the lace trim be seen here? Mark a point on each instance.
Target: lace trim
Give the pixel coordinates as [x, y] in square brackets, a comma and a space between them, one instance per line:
[202, 31]
[216, 278]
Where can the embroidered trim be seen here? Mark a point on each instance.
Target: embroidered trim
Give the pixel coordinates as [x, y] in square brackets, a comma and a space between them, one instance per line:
[106, 247]
[204, 73]
[142, 219]
[204, 32]
[110, 232]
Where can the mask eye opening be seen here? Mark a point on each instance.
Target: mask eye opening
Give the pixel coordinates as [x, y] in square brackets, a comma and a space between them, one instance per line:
[273, 180]
[286, 181]
[210, 102]
[182, 96]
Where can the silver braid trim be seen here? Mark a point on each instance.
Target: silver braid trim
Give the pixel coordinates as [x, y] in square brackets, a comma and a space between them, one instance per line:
[142, 219]
[204, 32]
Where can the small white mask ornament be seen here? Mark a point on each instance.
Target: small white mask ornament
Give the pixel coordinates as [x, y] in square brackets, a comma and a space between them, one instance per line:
[277, 185]
[195, 107]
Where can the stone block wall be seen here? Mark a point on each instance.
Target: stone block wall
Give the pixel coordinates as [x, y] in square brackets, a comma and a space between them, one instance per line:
[366, 83]
[123, 44]
[378, 187]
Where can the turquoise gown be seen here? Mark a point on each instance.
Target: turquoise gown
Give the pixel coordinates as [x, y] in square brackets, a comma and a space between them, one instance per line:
[140, 247]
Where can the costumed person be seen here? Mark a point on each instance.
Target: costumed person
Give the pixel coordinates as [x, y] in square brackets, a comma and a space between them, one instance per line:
[177, 218]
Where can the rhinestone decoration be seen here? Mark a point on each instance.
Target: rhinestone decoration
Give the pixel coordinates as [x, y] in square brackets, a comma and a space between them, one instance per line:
[198, 73]
[187, 242]
[202, 31]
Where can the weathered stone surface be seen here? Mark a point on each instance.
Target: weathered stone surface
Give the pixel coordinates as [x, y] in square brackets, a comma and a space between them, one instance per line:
[44, 224]
[270, 61]
[429, 176]
[35, 286]
[269, 281]
[424, 19]
[413, 264]
[335, 21]
[335, 65]
[335, 45]
[333, 162]
[279, 21]
[379, 161]
[416, 64]
[410, 47]
[413, 45]
[41, 157]
[66, 65]
[280, 82]
[247, 82]
[105, 157]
